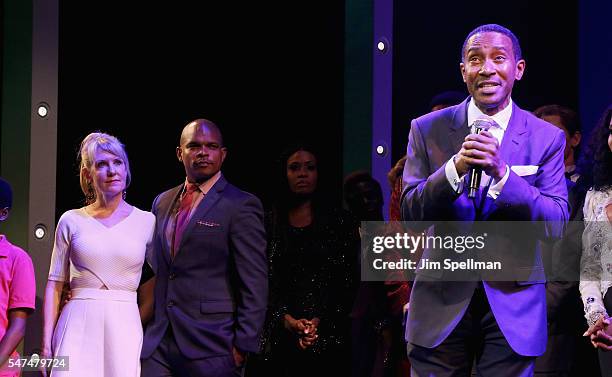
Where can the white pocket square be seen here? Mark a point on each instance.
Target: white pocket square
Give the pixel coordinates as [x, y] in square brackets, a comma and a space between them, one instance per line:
[523, 170]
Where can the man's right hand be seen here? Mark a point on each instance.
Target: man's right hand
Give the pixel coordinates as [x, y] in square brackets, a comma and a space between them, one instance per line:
[481, 151]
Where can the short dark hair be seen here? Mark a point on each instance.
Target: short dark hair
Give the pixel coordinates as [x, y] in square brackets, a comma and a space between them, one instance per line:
[569, 118]
[495, 28]
[6, 194]
[353, 179]
[350, 186]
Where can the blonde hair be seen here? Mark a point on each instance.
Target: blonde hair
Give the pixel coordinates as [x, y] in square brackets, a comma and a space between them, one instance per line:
[92, 143]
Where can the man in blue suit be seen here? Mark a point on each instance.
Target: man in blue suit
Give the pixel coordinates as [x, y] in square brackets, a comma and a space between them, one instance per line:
[211, 268]
[498, 326]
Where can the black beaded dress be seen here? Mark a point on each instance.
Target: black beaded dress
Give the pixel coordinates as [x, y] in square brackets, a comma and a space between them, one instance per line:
[313, 272]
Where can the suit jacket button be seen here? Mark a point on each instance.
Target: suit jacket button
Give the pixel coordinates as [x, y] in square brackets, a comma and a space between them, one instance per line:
[507, 205]
[171, 276]
[170, 304]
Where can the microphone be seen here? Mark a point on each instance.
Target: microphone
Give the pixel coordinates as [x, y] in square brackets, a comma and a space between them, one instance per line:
[475, 173]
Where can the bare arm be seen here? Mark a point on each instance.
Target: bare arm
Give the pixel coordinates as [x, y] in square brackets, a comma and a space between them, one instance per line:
[145, 300]
[53, 292]
[14, 333]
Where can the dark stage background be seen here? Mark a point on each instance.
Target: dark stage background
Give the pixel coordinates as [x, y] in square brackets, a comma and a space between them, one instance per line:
[265, 73]
[269, 73]
[427, 51]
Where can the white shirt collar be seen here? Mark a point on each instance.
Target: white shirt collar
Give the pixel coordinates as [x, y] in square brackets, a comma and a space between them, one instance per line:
[502, 118]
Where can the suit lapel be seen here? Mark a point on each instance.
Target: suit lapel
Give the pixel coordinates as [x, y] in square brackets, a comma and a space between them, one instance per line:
[514, 136]
[459, 128]
[207, 203]
[510, 149]
[166, 212]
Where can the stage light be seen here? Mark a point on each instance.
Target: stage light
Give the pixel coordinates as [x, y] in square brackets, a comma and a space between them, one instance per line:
[381, 150]
[382, 45]
[42, 110]
[40, 231]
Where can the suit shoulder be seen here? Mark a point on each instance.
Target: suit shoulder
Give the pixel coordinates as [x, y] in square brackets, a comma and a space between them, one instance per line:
[540, 127]
[436, 119]
[167, 192]
[238, 195]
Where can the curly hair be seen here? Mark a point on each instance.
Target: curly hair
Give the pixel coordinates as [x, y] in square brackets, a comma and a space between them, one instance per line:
[396, 171]
[596, 164]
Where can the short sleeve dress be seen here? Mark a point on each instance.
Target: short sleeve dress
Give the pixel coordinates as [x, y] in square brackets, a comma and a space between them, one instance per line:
[99, 329]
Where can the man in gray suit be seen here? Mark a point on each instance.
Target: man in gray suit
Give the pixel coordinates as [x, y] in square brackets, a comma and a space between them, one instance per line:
[211, 269]
[499, 324]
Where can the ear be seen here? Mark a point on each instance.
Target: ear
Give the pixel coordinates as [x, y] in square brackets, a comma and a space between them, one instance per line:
[87, 174]
[575, 139]
[462, 67]
[179, 154]
[4, 213]
[520, 69]
[223, 154]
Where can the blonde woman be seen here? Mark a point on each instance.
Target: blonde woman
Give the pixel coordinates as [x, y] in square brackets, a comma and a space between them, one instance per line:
[100, 251]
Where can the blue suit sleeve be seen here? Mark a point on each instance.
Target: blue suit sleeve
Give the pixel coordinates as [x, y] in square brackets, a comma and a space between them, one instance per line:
[248, 245]
[426, 197]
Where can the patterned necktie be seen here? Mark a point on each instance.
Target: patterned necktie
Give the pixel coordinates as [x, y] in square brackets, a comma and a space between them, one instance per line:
[182, 217]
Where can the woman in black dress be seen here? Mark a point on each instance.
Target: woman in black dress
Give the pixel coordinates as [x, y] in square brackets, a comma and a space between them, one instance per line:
[313, 251]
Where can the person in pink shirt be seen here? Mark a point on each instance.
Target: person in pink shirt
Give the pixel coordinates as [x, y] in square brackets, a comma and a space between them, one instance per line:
[17, 290]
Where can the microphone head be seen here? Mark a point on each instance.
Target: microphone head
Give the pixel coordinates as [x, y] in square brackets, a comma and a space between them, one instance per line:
[481, 124]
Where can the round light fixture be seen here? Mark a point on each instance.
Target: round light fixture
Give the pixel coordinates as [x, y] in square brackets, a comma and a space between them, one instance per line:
[42, 110]
[40, 231]
[383, 45]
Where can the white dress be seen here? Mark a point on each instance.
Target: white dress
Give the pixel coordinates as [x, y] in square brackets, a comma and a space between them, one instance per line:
[99, 329]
